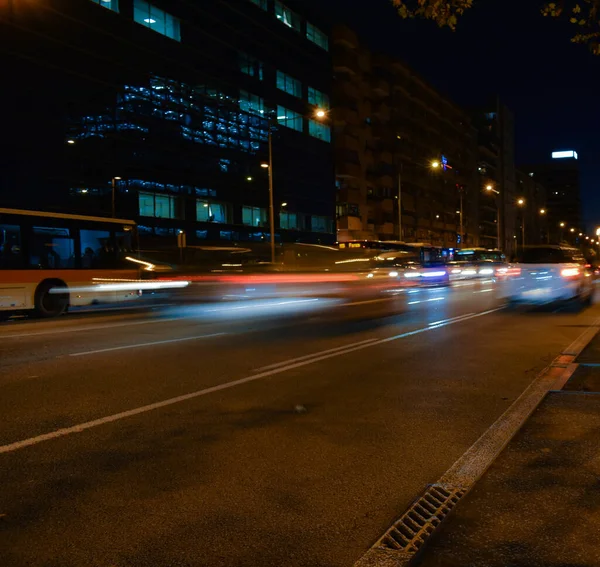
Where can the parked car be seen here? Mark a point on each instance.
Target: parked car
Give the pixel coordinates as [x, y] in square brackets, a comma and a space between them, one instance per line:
[544, 274]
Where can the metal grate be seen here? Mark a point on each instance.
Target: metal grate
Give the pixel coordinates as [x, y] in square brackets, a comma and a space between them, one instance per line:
[418, 522]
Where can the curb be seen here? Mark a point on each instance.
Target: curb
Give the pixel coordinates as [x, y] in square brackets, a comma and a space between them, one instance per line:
[403, 542]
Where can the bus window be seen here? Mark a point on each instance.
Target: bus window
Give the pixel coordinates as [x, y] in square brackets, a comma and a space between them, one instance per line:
[93, 244]
[52, 248]
[10, 247]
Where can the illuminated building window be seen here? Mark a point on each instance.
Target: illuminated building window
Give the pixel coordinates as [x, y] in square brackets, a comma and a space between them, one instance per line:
[315, 35]
[318, 130]
[320, 224]
[110, 4]
[287, 16]
[318, 98]
[289, 84]
[289, 118]
[156, 19]
[251, 103]
[250, 66]
[260, 3]
[288, 220]
[254, 216]
[207, 211]
[157, 206]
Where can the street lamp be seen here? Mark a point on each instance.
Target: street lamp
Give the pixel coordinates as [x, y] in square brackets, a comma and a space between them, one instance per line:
[542, 211]
[561, 225]
[435, 164]
[490, 187]
[318, 113]
[116, 178]
[521, 203]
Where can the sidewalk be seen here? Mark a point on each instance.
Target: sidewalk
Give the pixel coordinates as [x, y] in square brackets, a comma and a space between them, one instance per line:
[539, 502]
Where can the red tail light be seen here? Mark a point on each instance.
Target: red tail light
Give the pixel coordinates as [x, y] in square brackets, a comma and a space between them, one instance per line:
[570, 272]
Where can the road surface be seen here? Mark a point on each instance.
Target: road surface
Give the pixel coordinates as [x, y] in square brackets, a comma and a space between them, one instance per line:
[250, 433]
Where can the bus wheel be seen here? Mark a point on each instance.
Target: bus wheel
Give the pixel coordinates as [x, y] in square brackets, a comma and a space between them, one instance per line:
[50, 304]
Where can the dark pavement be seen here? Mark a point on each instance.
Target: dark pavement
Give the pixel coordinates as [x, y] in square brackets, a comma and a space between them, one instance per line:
[281, 456]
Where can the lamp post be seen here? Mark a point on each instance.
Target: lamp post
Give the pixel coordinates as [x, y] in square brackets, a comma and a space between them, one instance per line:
[318, 113]
[521, 203]
[435, 164]
[561, 225]
[547, 231]
[489, 187]
[113, 195]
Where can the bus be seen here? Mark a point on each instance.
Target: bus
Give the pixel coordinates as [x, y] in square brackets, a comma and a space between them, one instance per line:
[50, 261]
[426, 253]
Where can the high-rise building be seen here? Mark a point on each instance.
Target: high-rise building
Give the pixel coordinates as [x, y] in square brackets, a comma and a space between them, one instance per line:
[171, 103]
[560, 177]
[533, 210]
[496, 168]
[391, 129]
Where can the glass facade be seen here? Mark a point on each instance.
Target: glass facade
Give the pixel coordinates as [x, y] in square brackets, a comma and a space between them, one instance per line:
[110, 4]
[207, 211]
[287, 16]
[318, 130]
[254, 216]
[319, 223]
[315, 35]
[156, 19]
[288, 221]
[250, 65]
[260, 3]
[157, 206]
[289, 84]
[197, 114]
[253, 104]
[318, 98]
[289, 118]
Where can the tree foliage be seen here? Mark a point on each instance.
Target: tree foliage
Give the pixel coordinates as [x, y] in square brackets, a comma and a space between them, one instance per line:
[582, 14]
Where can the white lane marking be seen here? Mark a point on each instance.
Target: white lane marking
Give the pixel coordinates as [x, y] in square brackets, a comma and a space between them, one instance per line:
[88, 328]
[225, 386]
[312, 355]
[450, 319]
[140, 345]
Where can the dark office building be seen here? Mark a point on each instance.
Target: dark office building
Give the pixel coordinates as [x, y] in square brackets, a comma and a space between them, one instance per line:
[560, 177]
[171, 103]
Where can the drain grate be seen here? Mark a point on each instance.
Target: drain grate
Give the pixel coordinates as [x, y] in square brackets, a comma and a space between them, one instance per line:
[419, 521]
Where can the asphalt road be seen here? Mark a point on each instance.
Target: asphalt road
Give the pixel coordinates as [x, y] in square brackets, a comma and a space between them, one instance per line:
[251, 433]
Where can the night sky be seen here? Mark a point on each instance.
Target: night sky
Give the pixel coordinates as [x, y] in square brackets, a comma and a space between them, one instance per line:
[503, 47]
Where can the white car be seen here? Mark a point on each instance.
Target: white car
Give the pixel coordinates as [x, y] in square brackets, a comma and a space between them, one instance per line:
[545, 274]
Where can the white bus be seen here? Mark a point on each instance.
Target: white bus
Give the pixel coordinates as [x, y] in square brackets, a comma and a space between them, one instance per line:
[49, 261]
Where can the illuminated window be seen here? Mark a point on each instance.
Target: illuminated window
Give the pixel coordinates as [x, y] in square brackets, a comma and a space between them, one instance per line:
[315, 35]
[254, 216]
[318, 130]
[110, 4]
[207, 211]
[289, 118]
[318, 98]
[156, 19]
[289, 84]
[286, 16]
[320, 224]
[250, 66]
[251, 103]
[157, 206]
[288, 220]
[260, 3]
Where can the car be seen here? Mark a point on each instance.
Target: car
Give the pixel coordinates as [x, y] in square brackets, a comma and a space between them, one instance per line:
[545, 274]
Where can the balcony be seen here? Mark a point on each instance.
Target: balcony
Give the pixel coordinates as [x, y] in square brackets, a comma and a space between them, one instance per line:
[346, 91]
[349, 223]
[387, 229]
[347, 142]
[346, 116]
[350, 195]
[343, 35]
[381, 110]
[380, 87]
[347, 169]
[387, 205]
[345, 61]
